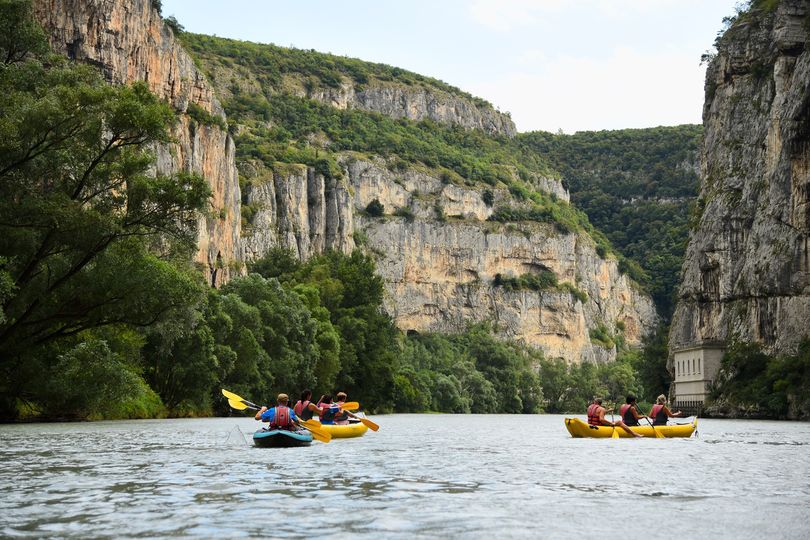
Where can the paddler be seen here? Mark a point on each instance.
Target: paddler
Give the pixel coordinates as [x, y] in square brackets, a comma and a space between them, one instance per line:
[304, 408]
[280, 416]
[630, 413]
[328, 409]
[660, 412]
[596, 417]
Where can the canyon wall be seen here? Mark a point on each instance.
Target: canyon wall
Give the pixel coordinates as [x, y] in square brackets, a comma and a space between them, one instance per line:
[439, 256]
[746, 275]
[128, 41]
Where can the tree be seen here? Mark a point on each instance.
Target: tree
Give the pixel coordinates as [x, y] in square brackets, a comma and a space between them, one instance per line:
[89, 237]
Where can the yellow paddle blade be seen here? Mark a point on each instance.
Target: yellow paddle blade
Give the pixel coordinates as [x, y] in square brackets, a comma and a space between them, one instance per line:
[615, 434]
[350, 406]
[231, 395]
[238, 405]
[315, 428]
[371, 425]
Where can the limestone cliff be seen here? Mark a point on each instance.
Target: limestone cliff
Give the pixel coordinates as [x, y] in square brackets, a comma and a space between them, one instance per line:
[747, 270]
[439, 256]
[415, 103]
[406, 95]
[128, 41]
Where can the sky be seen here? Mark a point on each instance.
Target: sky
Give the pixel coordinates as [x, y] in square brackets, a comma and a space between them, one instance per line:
[570, 65]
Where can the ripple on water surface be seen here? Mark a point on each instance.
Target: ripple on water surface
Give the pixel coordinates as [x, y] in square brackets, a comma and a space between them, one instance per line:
[420, 476]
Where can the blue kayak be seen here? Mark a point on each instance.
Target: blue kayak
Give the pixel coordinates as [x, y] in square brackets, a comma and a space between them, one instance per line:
[281, 438]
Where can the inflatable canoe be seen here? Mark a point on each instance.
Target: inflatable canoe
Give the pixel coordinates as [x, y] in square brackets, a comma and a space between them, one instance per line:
[578, 428]
[345, 431]
[281, 438]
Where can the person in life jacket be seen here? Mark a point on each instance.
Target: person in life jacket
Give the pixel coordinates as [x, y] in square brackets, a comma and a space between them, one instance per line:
[304, 408]
[328, 409]
[630, 413]
[280, 416]
[660, 412]
[596, 417]
[342, 417]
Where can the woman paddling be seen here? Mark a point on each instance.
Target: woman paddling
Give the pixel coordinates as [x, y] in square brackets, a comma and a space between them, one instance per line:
[660, 412]
[304, 408]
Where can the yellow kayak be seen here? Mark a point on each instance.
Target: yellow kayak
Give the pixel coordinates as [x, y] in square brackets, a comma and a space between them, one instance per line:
[345, 431]
[578, 428]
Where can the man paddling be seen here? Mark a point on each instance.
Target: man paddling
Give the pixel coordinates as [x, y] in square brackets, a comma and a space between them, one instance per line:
[280, 416]
[596, 417]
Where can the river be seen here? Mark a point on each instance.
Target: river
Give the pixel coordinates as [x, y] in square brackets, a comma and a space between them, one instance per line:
[420, 476]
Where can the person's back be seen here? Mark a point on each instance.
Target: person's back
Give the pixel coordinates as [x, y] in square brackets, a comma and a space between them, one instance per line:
[593, 414]
[341, 417]
[660, 413]
[629, 413]
[328, 409]
[280, 416]
[303, 406]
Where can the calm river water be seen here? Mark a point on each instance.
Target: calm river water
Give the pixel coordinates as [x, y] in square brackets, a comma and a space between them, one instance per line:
[420, 476]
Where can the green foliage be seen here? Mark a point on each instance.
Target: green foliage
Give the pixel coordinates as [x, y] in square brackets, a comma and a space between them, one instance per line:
[20, 35]
[84, 380]
[756, 384]
[633, 185]
[93, 242]
[375, 208]
[569, 388]
[469, 372]
[542, 281]
[602, 336]
[271, 64]
[204, 117]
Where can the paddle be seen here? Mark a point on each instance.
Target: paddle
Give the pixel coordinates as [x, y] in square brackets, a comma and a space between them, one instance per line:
[657, 435]
[240, 404]
[614, 434]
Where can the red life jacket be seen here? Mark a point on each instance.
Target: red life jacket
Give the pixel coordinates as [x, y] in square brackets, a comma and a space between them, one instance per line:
[659, 415]
[282, 418]
[593, 415]
[328, 412]
[300, 406]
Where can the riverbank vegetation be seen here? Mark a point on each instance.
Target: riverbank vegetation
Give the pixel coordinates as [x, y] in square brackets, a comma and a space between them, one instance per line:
[753, 384]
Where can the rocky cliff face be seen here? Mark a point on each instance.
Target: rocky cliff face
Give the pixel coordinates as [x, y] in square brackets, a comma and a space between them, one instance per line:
[128, 41]
[747, 270]
[439, 256]
[415, 103]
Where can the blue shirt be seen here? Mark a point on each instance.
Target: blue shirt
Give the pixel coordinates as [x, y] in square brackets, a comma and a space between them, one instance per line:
[270, 414]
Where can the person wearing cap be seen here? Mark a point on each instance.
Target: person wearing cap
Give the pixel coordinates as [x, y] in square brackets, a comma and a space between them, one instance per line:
[660, 412]
[280, 416]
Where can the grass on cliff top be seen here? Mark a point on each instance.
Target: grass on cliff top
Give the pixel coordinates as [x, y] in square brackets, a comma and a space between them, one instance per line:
[270, 63]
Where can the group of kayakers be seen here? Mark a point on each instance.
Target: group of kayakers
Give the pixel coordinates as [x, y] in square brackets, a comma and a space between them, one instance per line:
[329, 411]
[630, 415]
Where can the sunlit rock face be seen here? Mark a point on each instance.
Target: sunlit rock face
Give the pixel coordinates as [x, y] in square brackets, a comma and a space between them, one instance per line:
[747, 270]
[128, 41]
[439, 267]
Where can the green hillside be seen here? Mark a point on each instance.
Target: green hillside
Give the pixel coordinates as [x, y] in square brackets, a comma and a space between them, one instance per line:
[636, 185]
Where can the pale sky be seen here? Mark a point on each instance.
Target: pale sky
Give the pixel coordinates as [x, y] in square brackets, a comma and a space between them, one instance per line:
[553, 64]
